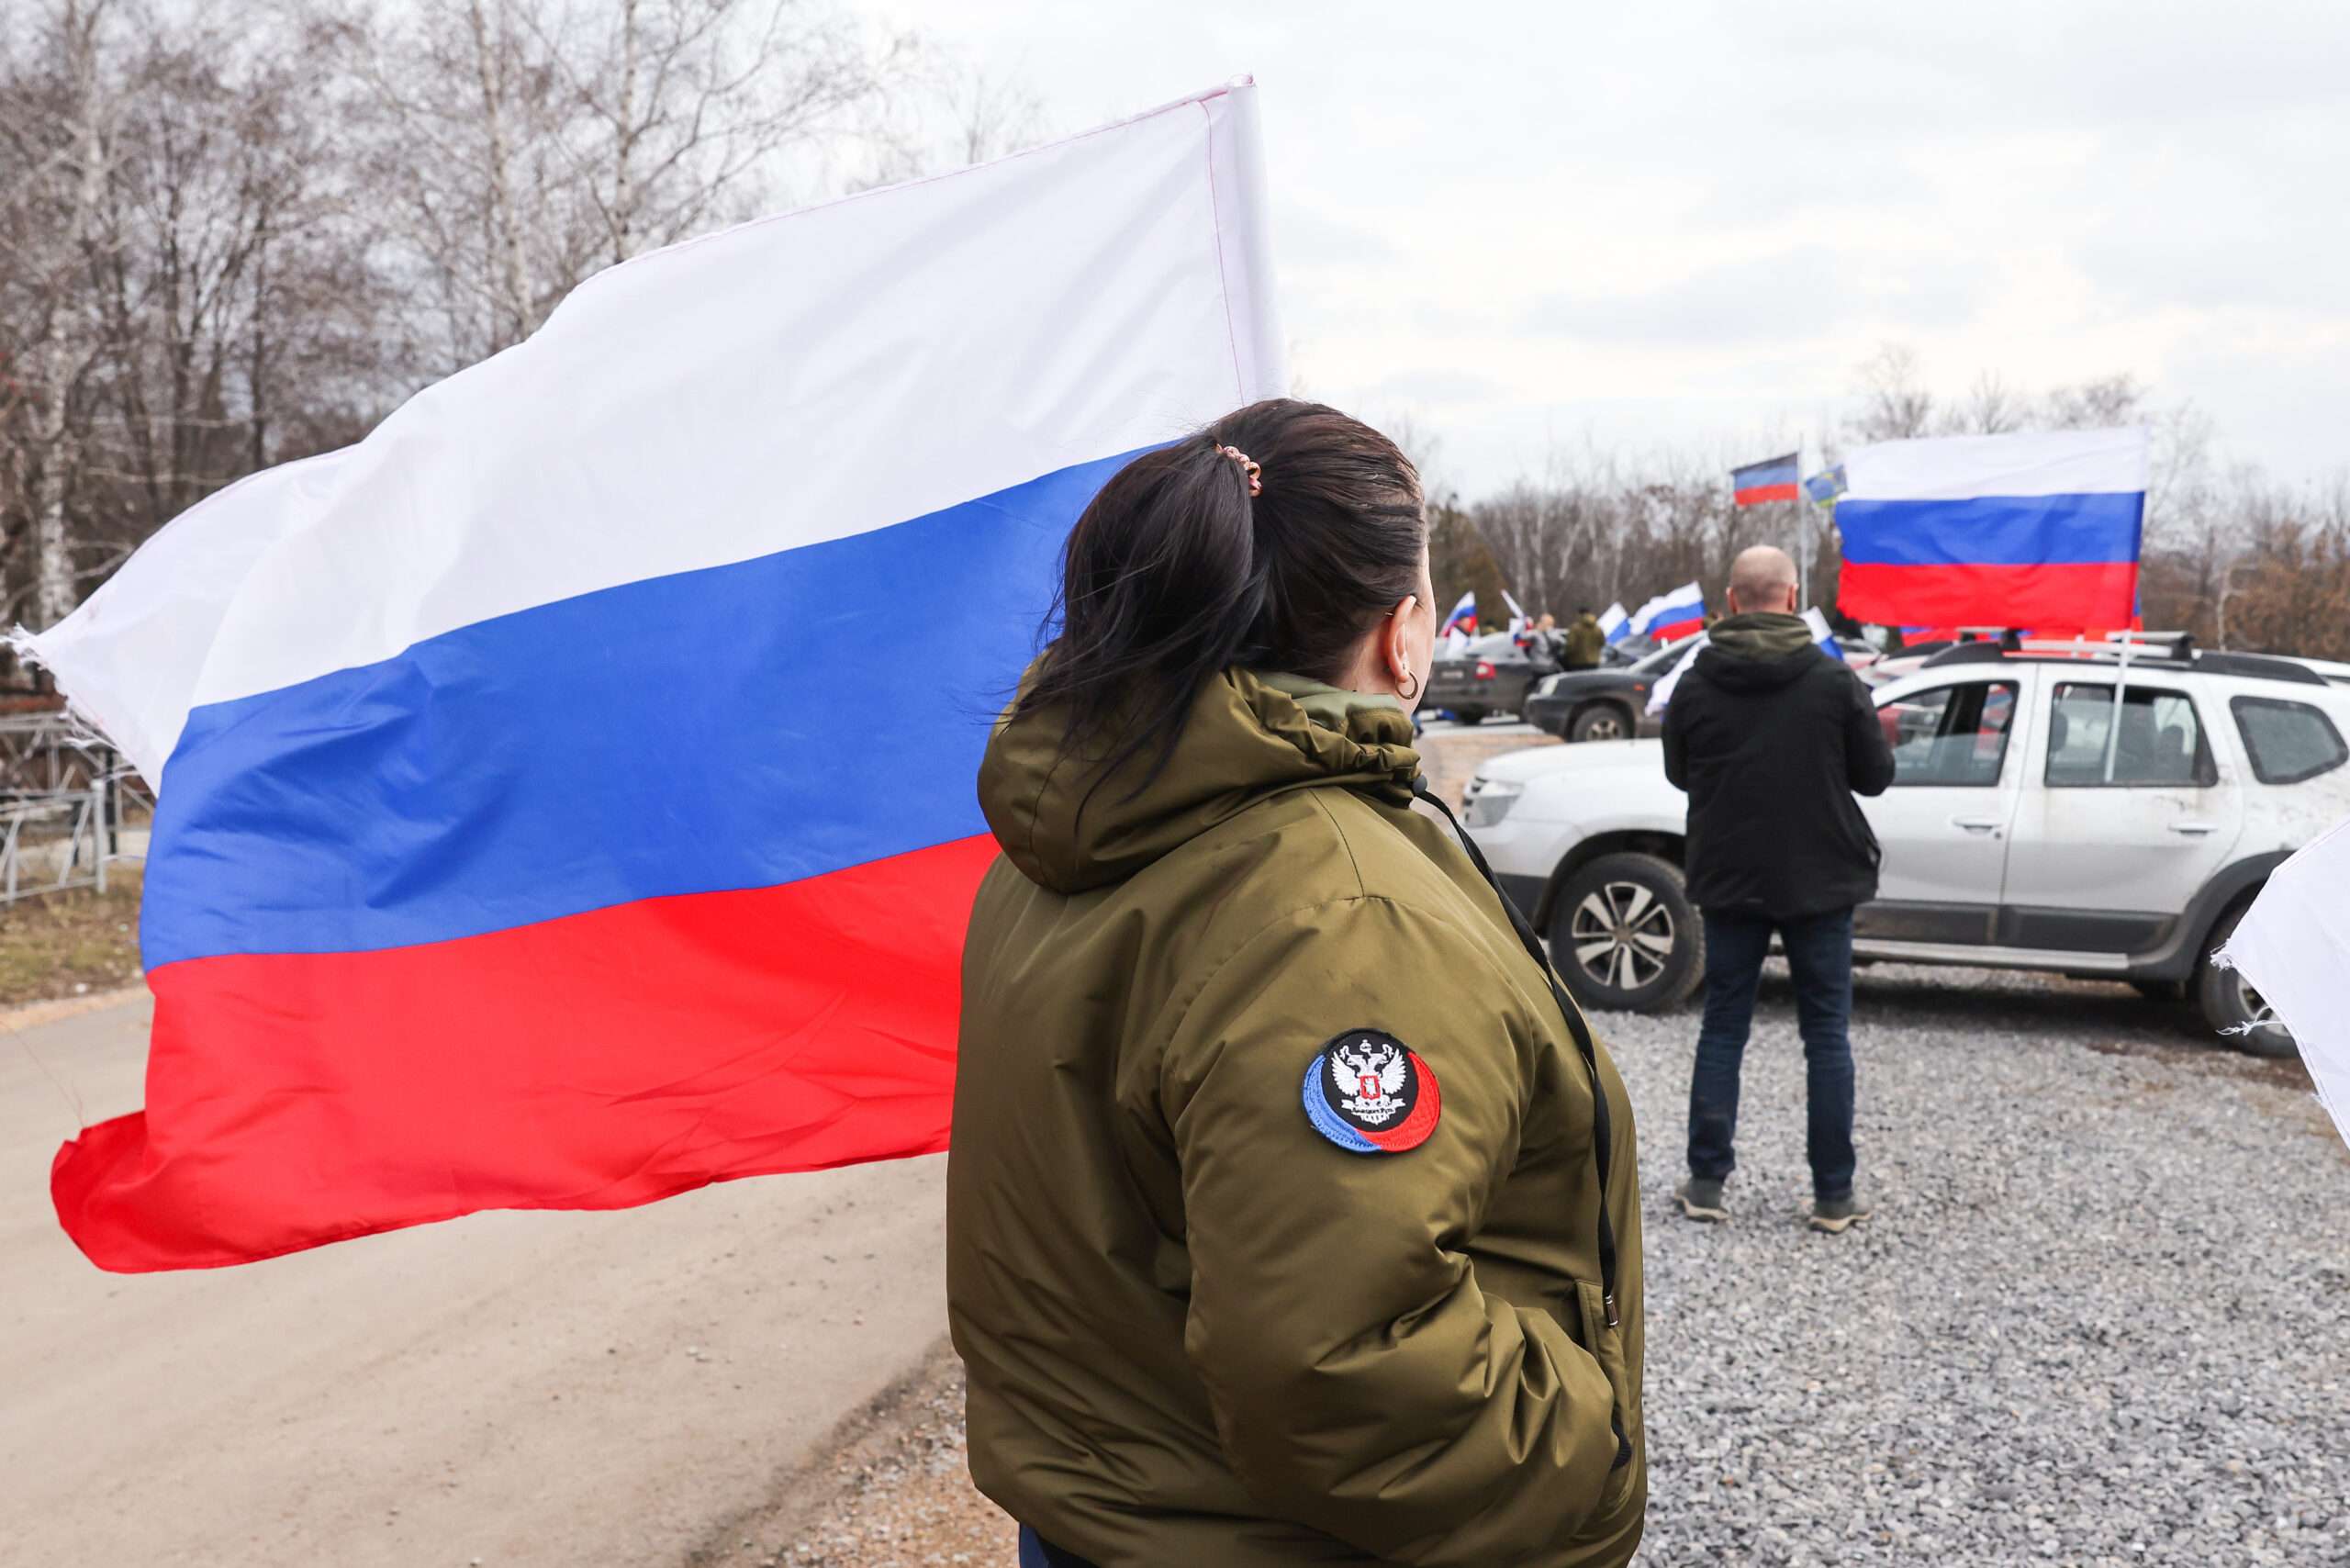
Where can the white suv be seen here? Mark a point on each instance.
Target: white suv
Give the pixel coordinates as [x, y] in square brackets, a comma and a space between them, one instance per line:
[2065, 812]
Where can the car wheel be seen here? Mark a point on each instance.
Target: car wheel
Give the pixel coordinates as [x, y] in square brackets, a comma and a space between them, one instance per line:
[1469, 715]
[2230, 1005]
[1625, 936]
[1600, 721]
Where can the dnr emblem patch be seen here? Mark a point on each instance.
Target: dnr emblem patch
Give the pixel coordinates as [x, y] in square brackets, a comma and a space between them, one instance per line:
[1370, 1093]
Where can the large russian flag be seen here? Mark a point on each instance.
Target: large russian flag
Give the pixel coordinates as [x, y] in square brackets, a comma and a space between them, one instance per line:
[2035, 529]
[567, 793]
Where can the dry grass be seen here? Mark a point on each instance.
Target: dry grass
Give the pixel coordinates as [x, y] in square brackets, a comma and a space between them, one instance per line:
[69, 944]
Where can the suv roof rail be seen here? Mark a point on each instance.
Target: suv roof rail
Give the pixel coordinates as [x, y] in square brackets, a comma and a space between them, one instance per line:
[1965, 654]
[2262, 666]
[2256, 667]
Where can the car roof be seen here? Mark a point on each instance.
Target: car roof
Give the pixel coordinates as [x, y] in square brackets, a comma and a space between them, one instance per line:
[2154, 660]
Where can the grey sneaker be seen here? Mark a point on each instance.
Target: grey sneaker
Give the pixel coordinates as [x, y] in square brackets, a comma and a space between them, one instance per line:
[1837, 1216]
[1700, 1198]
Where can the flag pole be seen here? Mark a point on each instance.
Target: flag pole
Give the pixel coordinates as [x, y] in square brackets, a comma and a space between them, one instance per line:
[1803, 533]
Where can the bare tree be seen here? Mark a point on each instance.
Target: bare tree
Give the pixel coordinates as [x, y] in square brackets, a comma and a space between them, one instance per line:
[685, 106]
[60, 111]
[946, 113]
[1894, 405]
[524, 144]
[2099, 404]
[227, 238]
[1992, 407]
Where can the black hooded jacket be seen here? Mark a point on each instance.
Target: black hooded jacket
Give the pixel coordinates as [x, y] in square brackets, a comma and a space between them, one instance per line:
[1771, 737]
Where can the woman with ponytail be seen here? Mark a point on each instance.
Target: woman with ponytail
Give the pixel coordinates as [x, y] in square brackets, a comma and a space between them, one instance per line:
[1291, 1214]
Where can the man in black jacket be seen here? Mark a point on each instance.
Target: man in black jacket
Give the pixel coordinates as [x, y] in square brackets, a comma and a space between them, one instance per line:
[1771, 737]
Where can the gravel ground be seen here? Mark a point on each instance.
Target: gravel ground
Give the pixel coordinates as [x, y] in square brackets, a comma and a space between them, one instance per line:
[2098, 1319]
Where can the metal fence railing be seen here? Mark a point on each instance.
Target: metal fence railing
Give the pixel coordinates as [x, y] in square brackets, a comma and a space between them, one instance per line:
[69, 806]
[47, 847]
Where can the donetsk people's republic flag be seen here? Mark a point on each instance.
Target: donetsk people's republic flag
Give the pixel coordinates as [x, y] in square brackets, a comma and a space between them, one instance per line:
[567, 793]
[2035, 529]
[1773, 479]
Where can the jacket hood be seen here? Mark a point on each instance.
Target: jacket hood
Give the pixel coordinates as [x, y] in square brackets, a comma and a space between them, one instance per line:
[1758, 650]
[1248, 736]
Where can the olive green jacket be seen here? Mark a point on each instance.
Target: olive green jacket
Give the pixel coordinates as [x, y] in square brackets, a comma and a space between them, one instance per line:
[1586, 644]
[1197, 1329]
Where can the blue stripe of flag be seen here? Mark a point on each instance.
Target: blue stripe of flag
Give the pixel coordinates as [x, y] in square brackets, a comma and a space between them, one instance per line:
[737, 727]
[1993, 531]
[1772, 471]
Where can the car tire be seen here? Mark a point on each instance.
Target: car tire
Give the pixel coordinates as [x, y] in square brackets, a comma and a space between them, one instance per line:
[1600, 721]
[1624, 934]
[2229, 1003]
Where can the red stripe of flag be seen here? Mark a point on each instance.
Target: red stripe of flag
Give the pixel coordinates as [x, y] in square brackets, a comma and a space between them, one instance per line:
[2093, 593]
[594, 1062]
[1758, 494]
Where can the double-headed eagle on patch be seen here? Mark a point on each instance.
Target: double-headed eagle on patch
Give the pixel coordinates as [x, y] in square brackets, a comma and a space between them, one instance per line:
[1370, 1075]
[1370, 1093]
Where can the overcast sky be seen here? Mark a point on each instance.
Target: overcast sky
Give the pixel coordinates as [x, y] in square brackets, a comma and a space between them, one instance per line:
[1682, 225]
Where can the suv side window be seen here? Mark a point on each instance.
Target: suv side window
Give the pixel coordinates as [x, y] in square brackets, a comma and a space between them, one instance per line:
[2287, 742]
[1950, 734]
[2160, 743]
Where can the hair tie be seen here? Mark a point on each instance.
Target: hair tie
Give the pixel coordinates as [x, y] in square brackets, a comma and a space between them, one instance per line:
[1256, 474]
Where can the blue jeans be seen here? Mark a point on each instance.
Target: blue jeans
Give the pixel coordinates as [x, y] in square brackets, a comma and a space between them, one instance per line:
[1819, 953]
[1035, 1553]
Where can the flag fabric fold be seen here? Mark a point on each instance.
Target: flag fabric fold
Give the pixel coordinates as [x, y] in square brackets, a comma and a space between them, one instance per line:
[1614, 623]
[2027, 530]
[566, 794]
[2293, 943]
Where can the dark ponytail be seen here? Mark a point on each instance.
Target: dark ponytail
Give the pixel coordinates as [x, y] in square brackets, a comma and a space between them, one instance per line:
[1175, 572]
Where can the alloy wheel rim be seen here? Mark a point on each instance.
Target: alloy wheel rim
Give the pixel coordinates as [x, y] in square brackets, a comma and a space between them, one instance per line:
[2249, 1007]
[1622, 935]
[1605, 727]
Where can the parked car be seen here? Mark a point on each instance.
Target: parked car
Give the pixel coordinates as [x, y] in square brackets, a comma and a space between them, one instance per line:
[1492, 674]
[1609, 703]
[2065, 813]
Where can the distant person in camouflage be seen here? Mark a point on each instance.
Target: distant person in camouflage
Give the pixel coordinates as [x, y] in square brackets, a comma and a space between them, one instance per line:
[1586, 644]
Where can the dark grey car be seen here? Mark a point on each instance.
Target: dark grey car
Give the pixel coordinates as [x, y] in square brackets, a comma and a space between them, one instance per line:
[1605, 704]
[1492, 675]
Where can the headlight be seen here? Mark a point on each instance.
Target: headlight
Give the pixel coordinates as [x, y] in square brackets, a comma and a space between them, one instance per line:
[1489, 801]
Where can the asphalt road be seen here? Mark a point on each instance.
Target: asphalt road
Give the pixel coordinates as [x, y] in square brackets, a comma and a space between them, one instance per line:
[509, 1389]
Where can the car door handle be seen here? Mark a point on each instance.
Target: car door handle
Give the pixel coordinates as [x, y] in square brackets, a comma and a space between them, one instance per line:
[1977, 825]
[2194, 830]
